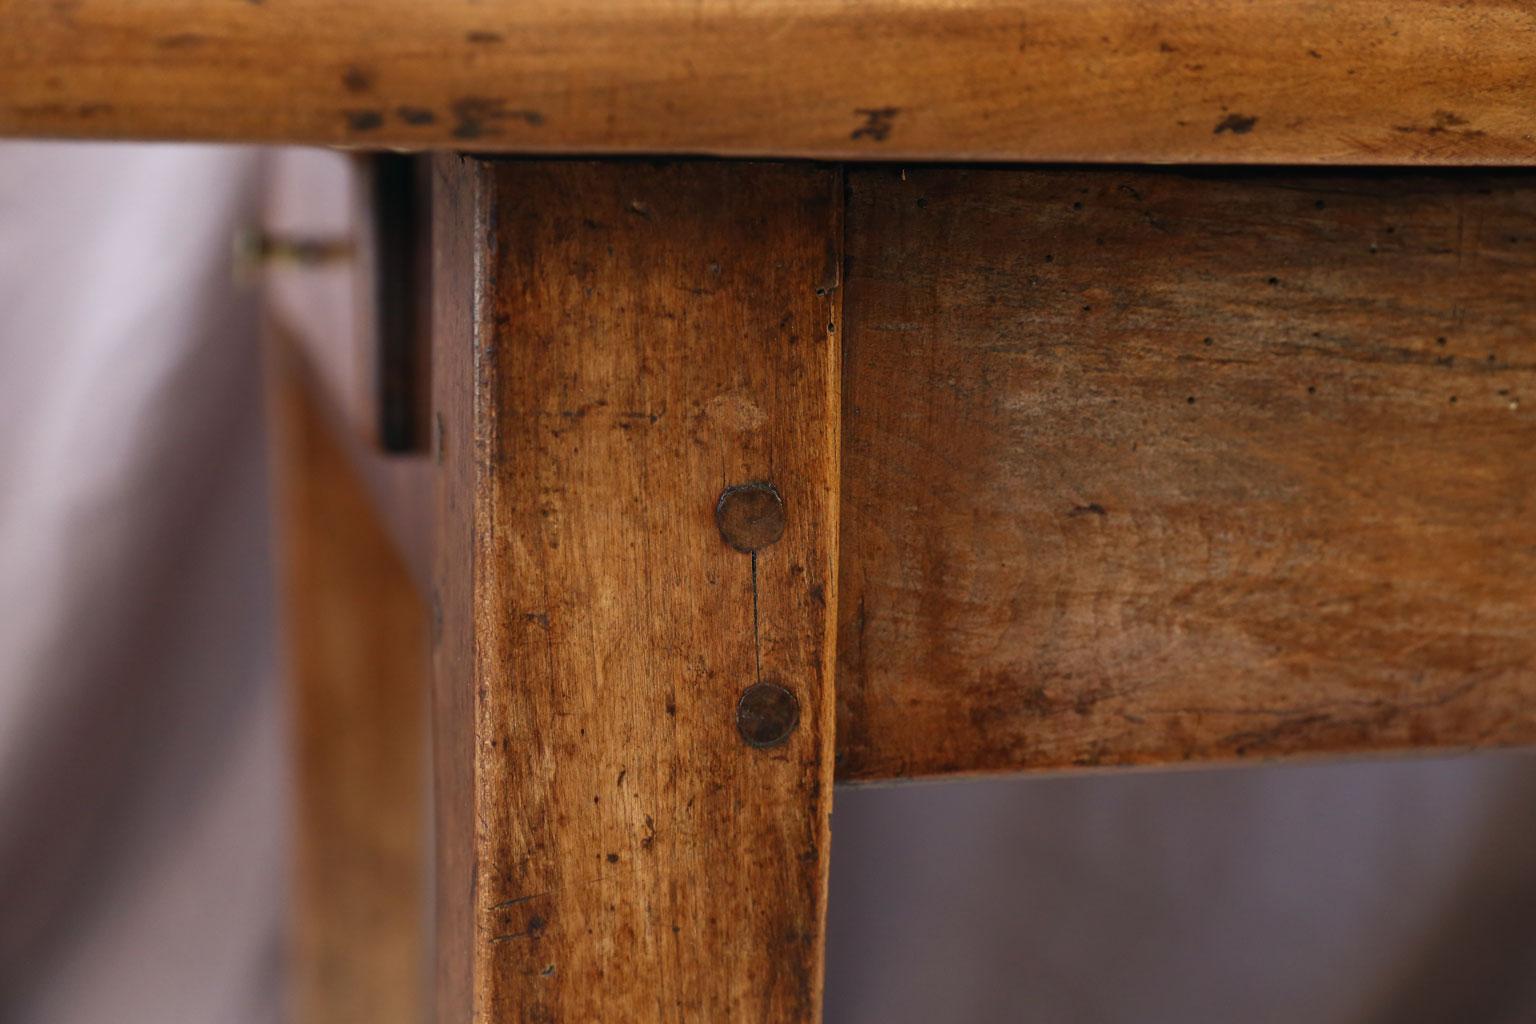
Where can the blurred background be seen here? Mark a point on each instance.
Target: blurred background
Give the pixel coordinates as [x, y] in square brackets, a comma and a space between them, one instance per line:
[146, 798]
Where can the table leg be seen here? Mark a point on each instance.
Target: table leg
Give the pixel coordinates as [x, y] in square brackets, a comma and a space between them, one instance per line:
[633, 660]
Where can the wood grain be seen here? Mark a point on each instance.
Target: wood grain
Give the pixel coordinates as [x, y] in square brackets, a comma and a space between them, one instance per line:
[1213, 81]
[616, 344]
[1146, 467]
[357, 659]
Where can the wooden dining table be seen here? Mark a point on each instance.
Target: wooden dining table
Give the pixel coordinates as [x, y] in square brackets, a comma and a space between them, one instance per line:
[713, 403]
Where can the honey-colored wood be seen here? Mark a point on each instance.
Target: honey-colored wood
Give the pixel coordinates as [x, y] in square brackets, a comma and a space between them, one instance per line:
[357, 657]
[617, 343]
[1153, 467]
[1214, 81]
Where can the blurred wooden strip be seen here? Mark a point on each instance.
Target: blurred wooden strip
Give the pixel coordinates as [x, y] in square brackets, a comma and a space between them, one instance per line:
[1212, 81]
[399, 487]
[1148, 467]
[357, 659]
[330, 314]
[616, 344]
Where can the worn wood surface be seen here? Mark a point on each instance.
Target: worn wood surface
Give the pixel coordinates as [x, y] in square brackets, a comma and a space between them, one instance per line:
[617, 343]
[1356, 81]
[1148, 467]
[356, 639]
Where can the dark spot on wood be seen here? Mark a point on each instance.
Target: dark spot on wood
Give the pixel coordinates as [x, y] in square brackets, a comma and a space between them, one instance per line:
[766, 714]
[355, 79]
[1166, 47]
[1093, 508]
[1032, 699]
[479, 116]
[878, 123]
[415, 115]
[750, 516]
[1314, 55]
[363, 120]
[180, 41]
[613, 858]
[484, 38]
[819, 595]
[1443, 122]
[1237, 124]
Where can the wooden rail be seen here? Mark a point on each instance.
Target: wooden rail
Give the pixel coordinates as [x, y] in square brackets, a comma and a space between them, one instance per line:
[1151, 467]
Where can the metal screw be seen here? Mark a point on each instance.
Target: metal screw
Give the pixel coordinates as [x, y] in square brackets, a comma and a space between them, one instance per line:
[766, 714]
[750, 516]
[255, 249]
